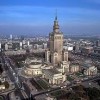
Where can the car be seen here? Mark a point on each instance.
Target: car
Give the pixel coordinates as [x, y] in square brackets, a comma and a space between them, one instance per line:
[89, 83]
[13, 73]
[85, 78]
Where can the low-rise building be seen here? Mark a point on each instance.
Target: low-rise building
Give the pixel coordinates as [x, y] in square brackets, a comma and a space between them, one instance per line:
[86, 50]
[33, 67]
[97, 50]
[74, 68]
[54, 76]
[89, 69]
[63, 67]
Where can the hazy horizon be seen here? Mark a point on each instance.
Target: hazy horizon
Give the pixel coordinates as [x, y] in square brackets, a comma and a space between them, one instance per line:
[36, 17]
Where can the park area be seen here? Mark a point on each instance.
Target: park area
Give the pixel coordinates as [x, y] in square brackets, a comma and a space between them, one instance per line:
[79, 74]
[69, 78]
[40, 84]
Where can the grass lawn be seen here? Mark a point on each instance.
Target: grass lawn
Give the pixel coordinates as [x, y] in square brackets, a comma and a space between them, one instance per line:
[1, 98]
[69, 78]
[43, 84]
[78, 73]
[37, 86]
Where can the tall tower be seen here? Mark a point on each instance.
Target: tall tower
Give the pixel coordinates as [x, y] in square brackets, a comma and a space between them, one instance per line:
[56, 43]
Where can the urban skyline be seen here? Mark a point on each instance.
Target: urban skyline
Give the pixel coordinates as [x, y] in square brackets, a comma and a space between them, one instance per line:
[35, 17]
[49, 67]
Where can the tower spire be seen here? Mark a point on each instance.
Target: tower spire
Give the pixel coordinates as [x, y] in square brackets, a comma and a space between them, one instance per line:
[56, 26]
[56, 15]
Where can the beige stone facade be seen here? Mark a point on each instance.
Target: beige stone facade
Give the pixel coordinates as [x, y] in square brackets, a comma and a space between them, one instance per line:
[56, 59]
[92, 70]
[56, 54]
[63, 67]
[74, 68]
[53, 76]
[33, 67]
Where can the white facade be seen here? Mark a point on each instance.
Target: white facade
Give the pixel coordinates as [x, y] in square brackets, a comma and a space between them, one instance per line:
[6, 46]
[28, 43]
[21, 45]
[33, 71]
[44, 45]
[90, 71]
[0, 45]
[2, 87]
[69, 48]
[11, 36]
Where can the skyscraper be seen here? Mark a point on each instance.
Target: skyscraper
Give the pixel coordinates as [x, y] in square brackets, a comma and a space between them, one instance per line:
[97, 43]
[56, 53]
[11, 36]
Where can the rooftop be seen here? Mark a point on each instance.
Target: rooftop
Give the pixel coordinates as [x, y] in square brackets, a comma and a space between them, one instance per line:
[53, 71]
[35, 63]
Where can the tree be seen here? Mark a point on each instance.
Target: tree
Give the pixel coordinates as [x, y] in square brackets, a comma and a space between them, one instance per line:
[1, 69]
[73, 96]
[6, 84]
[93, 93]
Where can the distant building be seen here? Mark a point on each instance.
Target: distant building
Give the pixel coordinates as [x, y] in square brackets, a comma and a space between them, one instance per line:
[28, 43]
[44, 45]
[2, 87]
[23, 42]
[77, 46]
[11, 36]
[21, 45]
[68, 48]
[15, 52]
[6, 46]
[97, 50]
[98, 43]
[87, 50]
[0, 46]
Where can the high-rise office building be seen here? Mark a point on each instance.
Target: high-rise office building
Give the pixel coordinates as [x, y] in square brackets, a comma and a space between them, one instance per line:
[97, 43]
[11, 36]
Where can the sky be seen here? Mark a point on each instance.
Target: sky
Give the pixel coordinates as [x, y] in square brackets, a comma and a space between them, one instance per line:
[35, 17]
